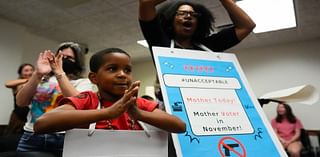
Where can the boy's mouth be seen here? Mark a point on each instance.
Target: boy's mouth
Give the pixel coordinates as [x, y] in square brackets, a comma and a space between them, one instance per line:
[121, 85]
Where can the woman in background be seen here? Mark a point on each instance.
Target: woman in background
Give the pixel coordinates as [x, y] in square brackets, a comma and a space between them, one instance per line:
[10, 136]
[288, 129]
[189, 25]
[19, 114]
[56, 75]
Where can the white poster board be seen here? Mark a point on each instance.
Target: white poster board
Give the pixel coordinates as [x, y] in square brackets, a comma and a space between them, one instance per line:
[115, 143]
[211, 94]
[304, 94]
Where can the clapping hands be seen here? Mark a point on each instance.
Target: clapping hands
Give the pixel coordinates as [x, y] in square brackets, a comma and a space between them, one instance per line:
[127, 102]
[48, 62]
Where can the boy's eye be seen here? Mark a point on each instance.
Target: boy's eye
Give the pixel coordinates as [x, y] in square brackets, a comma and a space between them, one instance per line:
[127, 70]
[111, 69]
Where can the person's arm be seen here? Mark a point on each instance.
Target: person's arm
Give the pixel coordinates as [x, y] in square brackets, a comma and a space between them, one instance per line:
[147, 9]
[296, 136]
[67, 117]
[25, 94]
[242, 22]
[66, 87]
[161, 120]
[157, 118]
[15, 83]
[274, 126]
[284, 142]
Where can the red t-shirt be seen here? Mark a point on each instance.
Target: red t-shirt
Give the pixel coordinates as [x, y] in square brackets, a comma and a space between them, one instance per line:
[89, 101]
[285, 129]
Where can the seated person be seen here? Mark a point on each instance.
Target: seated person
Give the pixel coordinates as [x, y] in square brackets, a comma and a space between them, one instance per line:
[288, 129]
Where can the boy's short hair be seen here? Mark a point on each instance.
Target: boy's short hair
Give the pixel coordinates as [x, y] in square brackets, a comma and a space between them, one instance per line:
[96, 60]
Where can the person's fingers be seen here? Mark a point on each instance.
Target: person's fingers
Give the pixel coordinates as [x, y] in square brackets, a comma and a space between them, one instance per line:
[136, 83]
[60, 55]
[47, 56]
[41, 55]
[131, 93]
[127, 96]
[50, 54]
[133, 86]
[130, 87]
[129, 102]
[59, 52]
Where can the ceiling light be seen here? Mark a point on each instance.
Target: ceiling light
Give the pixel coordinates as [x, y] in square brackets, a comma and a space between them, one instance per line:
[143, 43]
[269, 15]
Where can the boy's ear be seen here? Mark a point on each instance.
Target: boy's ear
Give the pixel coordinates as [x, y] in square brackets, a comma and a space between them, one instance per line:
[92, 77]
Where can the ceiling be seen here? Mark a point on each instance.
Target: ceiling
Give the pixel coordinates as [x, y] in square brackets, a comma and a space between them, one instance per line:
[114, 23]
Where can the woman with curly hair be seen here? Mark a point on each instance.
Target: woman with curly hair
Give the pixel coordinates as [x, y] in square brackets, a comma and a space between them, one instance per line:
[188, 25]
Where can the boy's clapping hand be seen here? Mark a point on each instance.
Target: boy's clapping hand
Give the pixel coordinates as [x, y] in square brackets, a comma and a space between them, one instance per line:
[128, 99]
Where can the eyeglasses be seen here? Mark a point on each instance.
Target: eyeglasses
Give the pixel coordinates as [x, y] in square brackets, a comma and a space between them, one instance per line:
[69, 57]
[188, 13]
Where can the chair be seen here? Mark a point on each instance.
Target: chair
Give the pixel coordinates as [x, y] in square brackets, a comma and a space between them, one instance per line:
[307, 150]
[318, 149]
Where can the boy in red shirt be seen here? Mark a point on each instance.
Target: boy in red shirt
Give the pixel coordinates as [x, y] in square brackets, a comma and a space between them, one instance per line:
[120, 108]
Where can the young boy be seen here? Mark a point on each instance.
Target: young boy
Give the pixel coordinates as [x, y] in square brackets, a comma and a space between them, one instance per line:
[120, 108]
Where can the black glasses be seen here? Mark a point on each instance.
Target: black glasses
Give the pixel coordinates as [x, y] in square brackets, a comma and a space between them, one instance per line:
[187, 13]
[69, 57]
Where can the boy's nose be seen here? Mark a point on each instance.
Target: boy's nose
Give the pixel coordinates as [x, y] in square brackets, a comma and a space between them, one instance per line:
[121, 73]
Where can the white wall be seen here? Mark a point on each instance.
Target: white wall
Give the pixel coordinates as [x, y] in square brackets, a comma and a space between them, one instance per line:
[146, 73]
[34, 44]
[283, 66]
[10, 58]
[268, 69]
[16, 46]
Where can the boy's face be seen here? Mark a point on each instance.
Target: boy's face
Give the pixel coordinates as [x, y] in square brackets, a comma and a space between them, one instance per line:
[114, 76]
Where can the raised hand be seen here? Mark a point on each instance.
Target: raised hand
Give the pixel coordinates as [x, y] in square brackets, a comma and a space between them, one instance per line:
[147, 9]
[43, 65]
[133, 110]
[56, 62]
